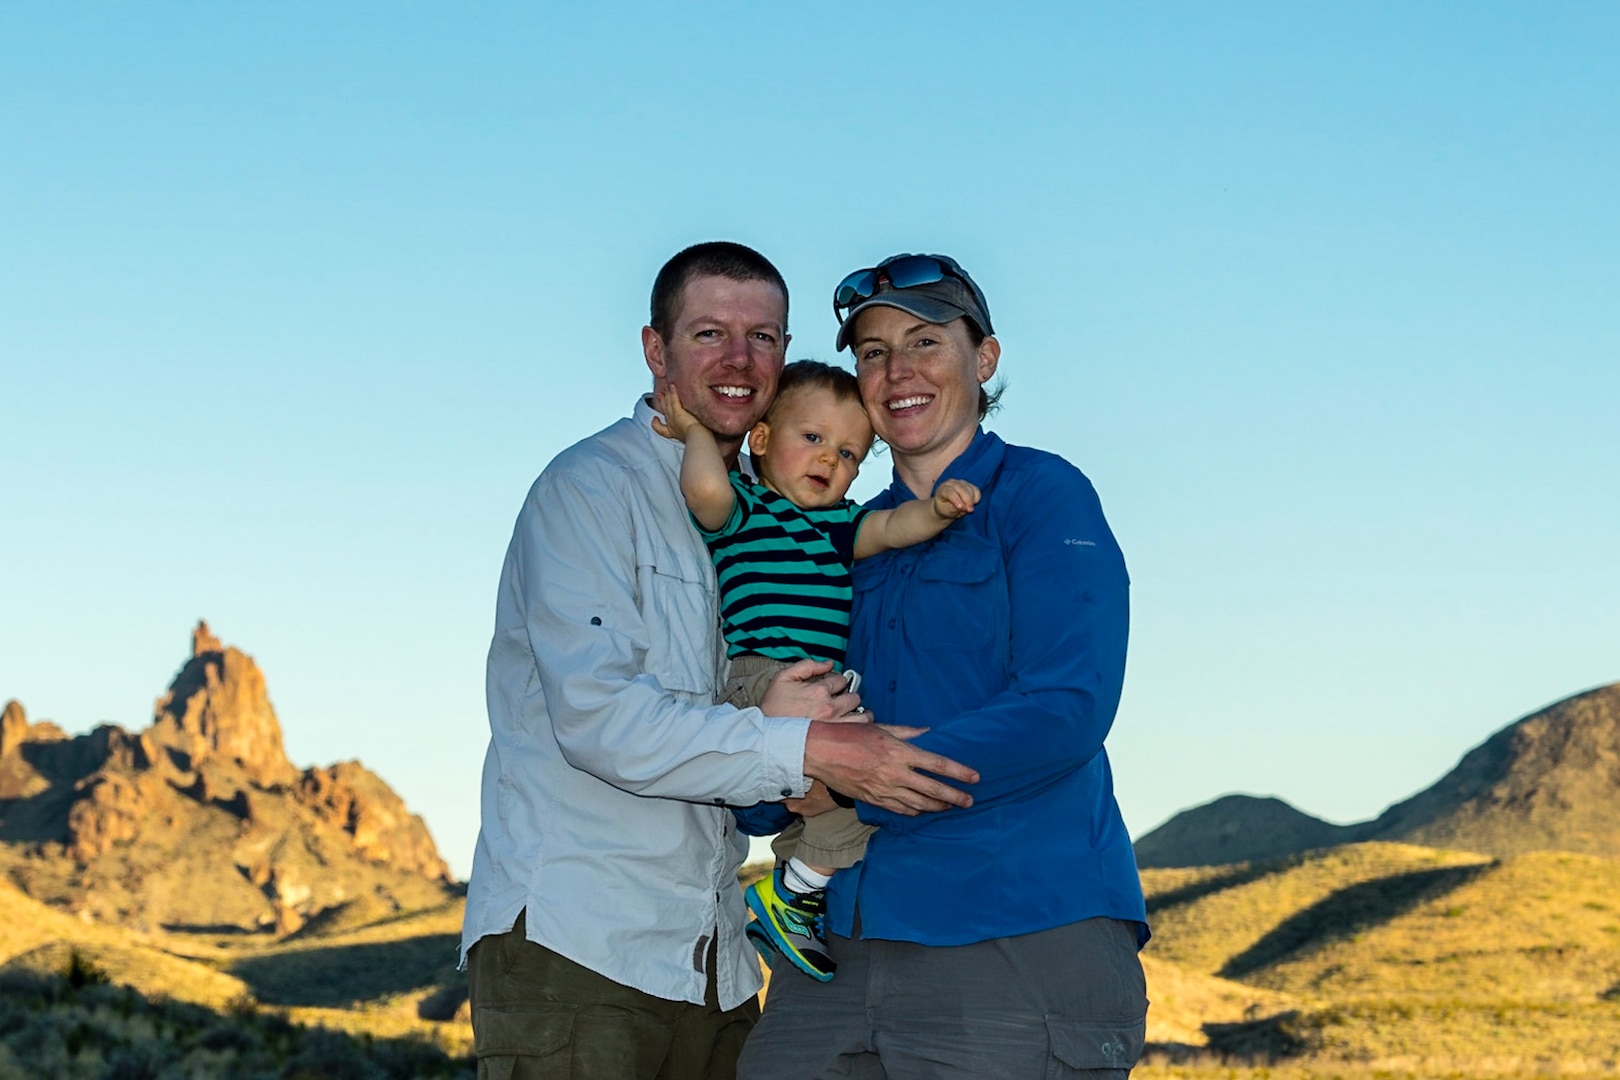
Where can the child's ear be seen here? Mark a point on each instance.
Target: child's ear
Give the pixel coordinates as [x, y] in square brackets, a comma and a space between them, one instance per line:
[759, 438]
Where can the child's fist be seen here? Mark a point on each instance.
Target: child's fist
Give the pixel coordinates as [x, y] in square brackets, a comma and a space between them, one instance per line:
[954, 498]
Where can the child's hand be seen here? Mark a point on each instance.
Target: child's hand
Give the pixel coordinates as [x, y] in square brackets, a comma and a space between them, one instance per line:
[955, 498]
[676, 421]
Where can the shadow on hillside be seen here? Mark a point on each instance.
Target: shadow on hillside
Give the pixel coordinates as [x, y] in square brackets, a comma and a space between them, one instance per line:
[76, 1023]
[213, 929]
[341, 974]
[1242, 874]
[1348, 912]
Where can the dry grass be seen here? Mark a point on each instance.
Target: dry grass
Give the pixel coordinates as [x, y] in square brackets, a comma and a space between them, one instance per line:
[1225, 914]
[1369, 962]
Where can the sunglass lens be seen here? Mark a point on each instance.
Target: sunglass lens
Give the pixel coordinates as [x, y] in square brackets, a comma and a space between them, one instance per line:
[914, 270]
[857, 287]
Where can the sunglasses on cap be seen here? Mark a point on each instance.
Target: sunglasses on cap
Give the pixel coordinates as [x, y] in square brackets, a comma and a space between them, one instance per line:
[900, 272]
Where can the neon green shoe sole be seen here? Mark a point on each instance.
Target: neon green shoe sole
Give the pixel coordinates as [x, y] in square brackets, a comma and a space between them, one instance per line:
[791, 923]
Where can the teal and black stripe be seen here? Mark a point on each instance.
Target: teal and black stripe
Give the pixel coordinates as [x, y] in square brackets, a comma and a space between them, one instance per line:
[784, 576]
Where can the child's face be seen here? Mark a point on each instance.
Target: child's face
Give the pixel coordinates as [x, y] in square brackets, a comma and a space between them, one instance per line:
[811, 446]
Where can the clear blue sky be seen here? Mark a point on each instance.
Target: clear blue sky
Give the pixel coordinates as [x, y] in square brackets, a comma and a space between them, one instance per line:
[296, 299]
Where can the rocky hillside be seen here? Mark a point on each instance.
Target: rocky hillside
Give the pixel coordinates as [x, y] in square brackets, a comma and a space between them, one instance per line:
[1547, 782]
[199, 822]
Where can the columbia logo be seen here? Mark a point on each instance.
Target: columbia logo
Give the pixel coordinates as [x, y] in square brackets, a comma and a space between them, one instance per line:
[1080, 543]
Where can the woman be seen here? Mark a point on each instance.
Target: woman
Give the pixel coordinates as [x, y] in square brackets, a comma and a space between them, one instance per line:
[998, 940]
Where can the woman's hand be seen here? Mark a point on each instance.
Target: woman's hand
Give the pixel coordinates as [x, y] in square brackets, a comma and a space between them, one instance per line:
[800, 690]
[818, 800]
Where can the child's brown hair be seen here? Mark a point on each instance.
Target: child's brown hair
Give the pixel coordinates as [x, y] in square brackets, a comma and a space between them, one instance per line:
[814, 375]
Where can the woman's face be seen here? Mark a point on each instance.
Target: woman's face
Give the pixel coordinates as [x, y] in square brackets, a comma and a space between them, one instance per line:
[920, 381]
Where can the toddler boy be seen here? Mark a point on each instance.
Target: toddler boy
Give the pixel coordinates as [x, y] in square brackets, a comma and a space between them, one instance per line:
[782, 550]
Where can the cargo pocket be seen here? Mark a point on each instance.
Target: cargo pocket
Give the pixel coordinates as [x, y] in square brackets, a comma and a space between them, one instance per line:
[679, 603]
[1081, 1046]
[543, 1031]
[966, 599]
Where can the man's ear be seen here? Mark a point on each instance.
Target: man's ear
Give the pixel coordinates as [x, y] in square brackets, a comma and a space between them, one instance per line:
[989, 358]
[652, 347]
[759, 438]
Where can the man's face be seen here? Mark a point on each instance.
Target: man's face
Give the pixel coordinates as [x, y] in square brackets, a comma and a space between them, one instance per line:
[724, 353]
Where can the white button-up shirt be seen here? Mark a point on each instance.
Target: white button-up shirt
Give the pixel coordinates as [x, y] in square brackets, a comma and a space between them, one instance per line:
[609, 766]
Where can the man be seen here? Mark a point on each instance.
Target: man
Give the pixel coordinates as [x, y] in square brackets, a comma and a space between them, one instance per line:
[604, 927]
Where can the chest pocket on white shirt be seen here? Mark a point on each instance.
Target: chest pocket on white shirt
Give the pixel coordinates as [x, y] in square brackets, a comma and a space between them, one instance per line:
[682, 626]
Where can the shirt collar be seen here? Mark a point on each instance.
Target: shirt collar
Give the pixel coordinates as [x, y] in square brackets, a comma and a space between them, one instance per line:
[668, 451]
[977, 465]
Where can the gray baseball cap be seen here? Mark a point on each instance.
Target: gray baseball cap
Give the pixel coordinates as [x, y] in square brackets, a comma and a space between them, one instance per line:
[950, 296]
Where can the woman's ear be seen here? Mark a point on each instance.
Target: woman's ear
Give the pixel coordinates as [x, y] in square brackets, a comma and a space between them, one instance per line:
[759, 438]
[989, 358]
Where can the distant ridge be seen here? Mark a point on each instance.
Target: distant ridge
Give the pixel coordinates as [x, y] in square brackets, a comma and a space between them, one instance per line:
[199, 822]
[1547, 782]
[1237, 828]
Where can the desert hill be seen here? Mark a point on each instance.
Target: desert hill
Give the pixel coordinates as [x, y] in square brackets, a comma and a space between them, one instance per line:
[1547, 782]
[199, 823]
[1402, 960]
[1237, 828]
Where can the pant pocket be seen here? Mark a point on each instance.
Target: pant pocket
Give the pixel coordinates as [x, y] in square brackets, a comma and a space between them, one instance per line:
[529, 1031]
[1083, 1046]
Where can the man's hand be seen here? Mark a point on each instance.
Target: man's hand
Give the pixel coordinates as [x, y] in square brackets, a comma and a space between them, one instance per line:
[801, 691]
[954, 498]
[873, 763]
[676, 421]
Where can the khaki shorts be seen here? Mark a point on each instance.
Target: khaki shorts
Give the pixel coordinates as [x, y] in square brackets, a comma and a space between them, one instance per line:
[835, 839]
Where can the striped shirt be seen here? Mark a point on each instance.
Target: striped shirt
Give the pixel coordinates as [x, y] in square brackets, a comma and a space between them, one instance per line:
[783, 573]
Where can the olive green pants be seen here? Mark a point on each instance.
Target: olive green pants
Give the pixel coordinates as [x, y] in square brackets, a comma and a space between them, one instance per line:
[835, 839]
[539, 1015]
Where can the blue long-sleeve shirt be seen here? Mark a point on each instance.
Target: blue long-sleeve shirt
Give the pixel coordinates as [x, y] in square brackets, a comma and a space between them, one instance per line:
[1005, 637]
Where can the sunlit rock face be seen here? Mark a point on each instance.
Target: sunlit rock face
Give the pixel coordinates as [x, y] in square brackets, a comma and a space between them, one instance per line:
[200, 821]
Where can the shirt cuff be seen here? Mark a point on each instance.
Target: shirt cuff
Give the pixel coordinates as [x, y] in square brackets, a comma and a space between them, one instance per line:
[784, 757]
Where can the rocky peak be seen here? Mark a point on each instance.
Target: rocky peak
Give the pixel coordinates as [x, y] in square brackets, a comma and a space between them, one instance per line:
[218, 706]
[13, 727]
[200, 820]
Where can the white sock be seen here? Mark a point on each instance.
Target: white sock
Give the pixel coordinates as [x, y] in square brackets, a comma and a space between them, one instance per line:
[798, 876]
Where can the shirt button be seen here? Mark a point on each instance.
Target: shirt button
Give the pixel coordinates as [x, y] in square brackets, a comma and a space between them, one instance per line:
[596, 620]
[787, 793]
[720, 802]
[891, 685]
[891, 624]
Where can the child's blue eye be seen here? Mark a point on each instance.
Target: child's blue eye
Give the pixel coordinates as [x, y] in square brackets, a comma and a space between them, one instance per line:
[811, 436]
[850, 454]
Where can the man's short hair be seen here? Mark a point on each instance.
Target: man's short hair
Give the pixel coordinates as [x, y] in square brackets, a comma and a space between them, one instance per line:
[814, 375]
[716, 258]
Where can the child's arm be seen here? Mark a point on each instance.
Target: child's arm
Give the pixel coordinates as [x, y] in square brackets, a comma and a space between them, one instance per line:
[916, 521]
[704, 479]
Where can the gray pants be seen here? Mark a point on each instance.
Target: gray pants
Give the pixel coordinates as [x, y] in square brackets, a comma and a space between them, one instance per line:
[1068, 1002]
[835, 839]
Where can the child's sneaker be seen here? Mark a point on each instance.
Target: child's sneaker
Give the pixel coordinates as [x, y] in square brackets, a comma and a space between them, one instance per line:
[791, 923]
